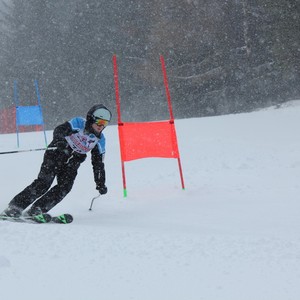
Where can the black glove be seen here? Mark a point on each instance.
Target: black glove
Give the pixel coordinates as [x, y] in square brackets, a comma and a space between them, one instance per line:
[101, 188]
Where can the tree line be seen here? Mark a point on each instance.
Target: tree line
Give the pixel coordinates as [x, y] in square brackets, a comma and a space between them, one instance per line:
[221, 56]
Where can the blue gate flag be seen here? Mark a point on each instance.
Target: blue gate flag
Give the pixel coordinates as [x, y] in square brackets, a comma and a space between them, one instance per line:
[29, 115]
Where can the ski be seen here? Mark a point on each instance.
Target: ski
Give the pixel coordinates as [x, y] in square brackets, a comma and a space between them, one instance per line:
[37, 219]
[40, 219]
[62, 219]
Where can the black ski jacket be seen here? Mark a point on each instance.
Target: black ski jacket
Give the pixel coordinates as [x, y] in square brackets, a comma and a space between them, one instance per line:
[65, 155]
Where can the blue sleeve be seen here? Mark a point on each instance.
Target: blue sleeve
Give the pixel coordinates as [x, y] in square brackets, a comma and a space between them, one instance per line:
[101, 144]
[77, 123]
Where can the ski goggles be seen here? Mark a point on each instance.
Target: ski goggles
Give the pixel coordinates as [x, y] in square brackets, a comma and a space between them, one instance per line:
[101, 122]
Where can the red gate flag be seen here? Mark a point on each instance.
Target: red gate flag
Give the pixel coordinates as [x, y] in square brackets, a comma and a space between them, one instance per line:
[148, 139]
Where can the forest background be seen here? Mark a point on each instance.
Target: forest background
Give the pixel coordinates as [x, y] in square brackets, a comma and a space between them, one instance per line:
[222, 56]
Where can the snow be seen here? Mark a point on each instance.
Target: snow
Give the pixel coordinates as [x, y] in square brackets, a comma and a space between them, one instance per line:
[232, 234]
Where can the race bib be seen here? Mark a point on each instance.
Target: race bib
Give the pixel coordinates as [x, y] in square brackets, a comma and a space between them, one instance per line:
[82, 143]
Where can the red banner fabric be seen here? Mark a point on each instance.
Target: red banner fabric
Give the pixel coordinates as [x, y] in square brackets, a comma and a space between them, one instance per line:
[148, 139]
[8, 122]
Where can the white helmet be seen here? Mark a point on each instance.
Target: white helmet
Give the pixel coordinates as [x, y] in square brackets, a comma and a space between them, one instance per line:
[98, 111]
[102, 113]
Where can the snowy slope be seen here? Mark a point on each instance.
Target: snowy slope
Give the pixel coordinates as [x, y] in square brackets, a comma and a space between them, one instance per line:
[232, 234]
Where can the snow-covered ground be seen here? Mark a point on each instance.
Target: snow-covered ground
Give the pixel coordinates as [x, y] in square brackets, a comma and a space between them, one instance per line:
[233, 234]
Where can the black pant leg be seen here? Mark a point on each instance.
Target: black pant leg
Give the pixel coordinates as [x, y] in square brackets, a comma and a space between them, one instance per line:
[65, 180]
[38, 187]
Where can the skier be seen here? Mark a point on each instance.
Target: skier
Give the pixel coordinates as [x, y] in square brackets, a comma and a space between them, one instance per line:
[71, 141]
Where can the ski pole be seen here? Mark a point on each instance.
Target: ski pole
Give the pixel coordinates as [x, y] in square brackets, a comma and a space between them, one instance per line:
[28, 150]
[93, 201]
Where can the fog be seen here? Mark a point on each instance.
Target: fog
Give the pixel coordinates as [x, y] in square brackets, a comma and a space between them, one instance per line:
[221, 56]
